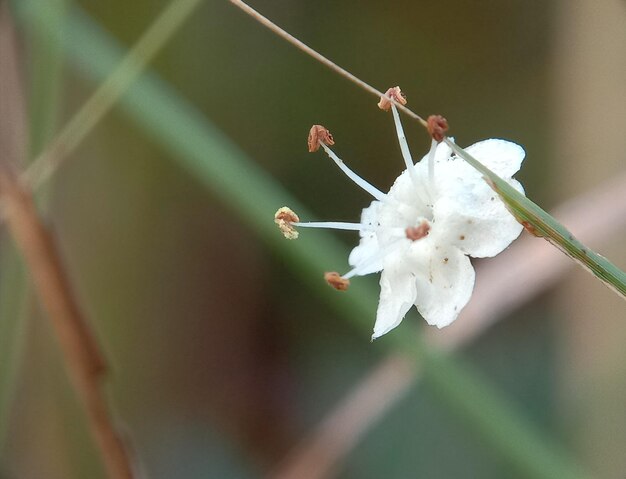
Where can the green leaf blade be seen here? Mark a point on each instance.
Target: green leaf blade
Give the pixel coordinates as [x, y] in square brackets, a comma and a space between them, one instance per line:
[542, 224]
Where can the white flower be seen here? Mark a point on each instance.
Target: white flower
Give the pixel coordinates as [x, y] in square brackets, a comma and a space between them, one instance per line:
[438, 212]
[466, 218]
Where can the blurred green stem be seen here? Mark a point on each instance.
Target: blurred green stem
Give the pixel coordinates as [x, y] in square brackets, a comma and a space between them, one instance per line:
[46, 68]
[113, 87]
[542, 224]
[198, 147]
[14, 295]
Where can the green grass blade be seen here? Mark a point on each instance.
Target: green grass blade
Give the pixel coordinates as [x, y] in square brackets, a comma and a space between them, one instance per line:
[13, 300]
[46, 65]
[542, 224]
[213, 160]
[115, 84]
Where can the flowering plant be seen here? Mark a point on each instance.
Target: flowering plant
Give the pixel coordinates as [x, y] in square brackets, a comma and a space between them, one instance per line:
[421, 233]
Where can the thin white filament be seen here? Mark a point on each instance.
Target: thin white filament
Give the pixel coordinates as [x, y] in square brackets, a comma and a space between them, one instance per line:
[406, 154]
[372, 190]
[404, 146]
[431, 164]
[334, 225]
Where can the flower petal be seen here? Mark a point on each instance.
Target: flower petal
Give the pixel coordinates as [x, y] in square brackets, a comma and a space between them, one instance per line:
[397, 294]
[365, 253]
[502, 157]
[444, 285]
[466, 211]
[476, 220]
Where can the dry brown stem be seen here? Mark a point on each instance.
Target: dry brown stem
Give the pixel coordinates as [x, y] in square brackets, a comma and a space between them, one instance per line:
[83, 360]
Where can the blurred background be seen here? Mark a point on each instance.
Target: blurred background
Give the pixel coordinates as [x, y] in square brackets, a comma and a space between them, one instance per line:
[223, 355]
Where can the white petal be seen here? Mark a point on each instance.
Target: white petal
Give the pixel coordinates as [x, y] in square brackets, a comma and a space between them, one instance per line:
[444, 286]
[476, 220]
[466, 211]
[368, 247]
[366, 256]
[502, 157]
[369, 215]
[407, 199]
[397, 295]
[453, 176]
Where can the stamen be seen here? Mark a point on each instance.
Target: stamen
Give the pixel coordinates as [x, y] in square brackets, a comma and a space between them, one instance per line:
[431, 163]
[395, 94]
[354, 272]
[372, 190]
[284, 218]
[404, 146]
[437, 127]
[335, 280]
[335, 225]
[415, 233]
[406, 155]
[319, 135]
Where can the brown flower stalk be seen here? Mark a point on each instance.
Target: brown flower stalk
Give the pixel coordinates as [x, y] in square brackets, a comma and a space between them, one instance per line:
[83, 360]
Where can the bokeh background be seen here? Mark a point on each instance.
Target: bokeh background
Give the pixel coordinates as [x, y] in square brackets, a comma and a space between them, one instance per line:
[223, 358]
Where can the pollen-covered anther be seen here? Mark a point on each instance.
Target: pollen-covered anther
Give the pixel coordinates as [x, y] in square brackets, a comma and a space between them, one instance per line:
[437, 127]
[418, 232]
[284, 218]
[335, 280]
[318, 134]
[393, 93]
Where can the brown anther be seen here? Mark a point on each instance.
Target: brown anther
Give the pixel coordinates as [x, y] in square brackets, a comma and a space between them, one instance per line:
[415, 233]
[318, 134]
[395, 94]
[437, 127]
[284, 218]
[335, 280]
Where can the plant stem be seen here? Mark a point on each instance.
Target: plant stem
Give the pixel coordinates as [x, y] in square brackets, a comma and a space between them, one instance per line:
[109, 92]
[83, 360]
[545, 226]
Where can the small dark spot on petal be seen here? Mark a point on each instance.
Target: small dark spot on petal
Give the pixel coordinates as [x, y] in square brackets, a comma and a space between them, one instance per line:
[445, 260]
[492, 198]
[462, 237]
